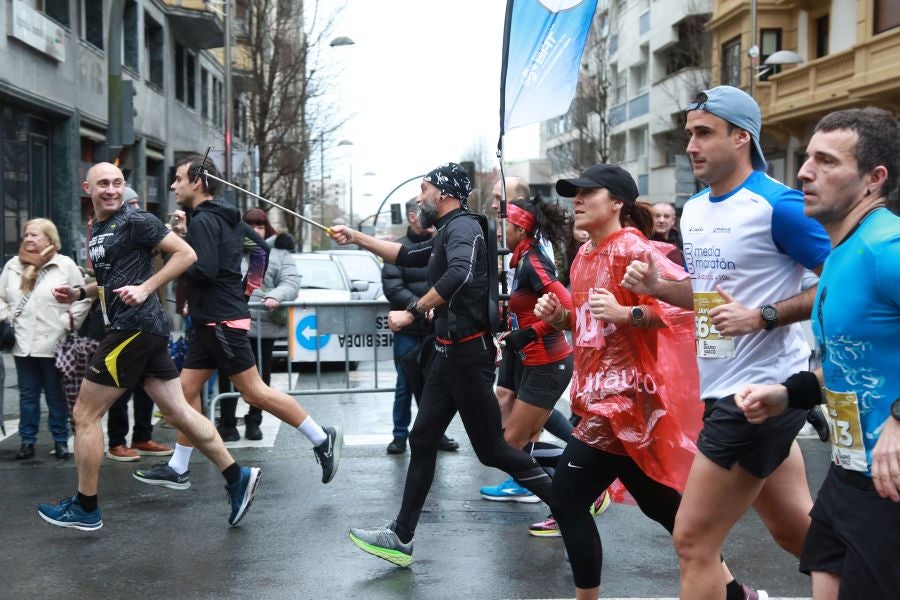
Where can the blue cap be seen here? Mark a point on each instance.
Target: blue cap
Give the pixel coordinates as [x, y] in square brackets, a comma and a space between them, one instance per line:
[741, 110]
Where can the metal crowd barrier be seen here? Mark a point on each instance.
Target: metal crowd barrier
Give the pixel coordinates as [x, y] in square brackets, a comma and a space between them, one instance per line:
[327, 332]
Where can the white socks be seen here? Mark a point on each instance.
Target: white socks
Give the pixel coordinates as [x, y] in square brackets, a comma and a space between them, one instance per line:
[313, 432]
[180, 458]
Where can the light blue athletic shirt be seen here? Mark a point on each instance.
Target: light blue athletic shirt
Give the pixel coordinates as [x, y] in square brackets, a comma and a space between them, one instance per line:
[856, 320]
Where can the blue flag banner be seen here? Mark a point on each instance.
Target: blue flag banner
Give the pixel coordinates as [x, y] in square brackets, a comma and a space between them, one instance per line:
[543, 41]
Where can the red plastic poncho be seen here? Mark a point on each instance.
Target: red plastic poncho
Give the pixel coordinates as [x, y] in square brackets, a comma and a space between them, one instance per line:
[637, 390]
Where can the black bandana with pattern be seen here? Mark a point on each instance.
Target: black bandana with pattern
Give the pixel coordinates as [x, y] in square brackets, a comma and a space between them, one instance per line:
[452, 180]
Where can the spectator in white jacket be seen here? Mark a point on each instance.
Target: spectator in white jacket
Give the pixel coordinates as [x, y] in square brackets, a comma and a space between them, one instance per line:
[26, 298]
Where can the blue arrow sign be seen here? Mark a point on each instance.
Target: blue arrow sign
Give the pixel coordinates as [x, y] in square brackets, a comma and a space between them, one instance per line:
[305, 334]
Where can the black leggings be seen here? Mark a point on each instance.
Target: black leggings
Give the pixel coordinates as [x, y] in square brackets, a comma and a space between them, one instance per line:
[464, 384]
[582, 474]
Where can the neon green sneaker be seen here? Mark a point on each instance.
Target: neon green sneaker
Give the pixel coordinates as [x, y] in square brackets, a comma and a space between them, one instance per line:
[383, 543]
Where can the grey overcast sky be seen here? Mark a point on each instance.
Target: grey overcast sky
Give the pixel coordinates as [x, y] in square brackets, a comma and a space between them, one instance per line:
[423, 84]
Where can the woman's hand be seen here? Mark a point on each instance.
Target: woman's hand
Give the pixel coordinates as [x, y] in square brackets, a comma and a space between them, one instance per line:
[270, 303]
[605, 307]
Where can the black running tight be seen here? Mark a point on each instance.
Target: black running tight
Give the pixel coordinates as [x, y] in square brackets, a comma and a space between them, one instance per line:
[582, 474]
[463, 384]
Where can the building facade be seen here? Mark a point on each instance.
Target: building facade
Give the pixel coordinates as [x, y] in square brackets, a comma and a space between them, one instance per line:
[848, 52]
[651, 58]
[54, 82]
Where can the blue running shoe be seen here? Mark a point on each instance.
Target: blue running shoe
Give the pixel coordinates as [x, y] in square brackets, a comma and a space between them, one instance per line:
[68, 513]
[241, 492]
[508, 491]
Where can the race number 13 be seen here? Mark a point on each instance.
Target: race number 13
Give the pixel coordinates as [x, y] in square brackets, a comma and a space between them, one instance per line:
[847, 447]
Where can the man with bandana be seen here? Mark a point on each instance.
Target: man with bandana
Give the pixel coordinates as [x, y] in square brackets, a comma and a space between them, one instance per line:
[461, 376]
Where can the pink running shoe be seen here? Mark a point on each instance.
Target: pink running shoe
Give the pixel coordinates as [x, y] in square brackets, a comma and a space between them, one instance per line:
[546, 528]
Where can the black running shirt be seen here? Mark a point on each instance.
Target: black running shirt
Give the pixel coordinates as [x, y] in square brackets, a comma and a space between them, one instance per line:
[120, 249]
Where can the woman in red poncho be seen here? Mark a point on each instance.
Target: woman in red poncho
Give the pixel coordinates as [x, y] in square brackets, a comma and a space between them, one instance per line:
[635, 380]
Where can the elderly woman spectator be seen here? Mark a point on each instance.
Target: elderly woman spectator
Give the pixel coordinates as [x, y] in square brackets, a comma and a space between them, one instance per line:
[280, 284]
[40, 323]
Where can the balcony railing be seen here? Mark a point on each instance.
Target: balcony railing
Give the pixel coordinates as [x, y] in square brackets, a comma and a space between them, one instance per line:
[848, 77]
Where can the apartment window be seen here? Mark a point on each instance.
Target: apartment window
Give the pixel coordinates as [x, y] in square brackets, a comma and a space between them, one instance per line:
[617, 148]
[91, 13]
[770, 43]
[185, 75]
[154, 44]
[731, 62]
[639, 78]
[620, 87]
[638, 143]
[204, 93]
[640, 73]
[887, 15]
[58, 10]
[130, 38]
[821, 36]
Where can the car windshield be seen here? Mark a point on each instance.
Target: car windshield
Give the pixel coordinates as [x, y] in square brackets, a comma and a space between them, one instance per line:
[319, 274]
[360, 267]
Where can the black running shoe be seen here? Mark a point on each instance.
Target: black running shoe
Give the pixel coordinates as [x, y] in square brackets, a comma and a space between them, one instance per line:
[328, 453]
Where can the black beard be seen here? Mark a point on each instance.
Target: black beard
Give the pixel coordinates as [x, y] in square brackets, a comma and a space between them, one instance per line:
[427, 216]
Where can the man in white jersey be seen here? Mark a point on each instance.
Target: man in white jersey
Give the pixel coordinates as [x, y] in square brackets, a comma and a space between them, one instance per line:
[746, 243]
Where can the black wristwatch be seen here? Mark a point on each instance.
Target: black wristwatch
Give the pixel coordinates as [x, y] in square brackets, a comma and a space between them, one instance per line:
[769, 316]
[637, 316]
[895, 409]
[413, 308]
[82, 293]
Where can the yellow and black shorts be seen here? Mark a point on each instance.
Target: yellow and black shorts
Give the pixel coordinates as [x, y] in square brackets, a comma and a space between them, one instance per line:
[125, 358]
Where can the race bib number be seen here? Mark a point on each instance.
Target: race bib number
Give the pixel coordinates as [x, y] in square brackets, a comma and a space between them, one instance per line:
[710, 343]
[847, 447]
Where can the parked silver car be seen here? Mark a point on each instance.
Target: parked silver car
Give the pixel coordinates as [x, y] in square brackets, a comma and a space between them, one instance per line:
[361, 265]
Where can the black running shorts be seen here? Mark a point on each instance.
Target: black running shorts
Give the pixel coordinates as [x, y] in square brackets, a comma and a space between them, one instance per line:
[510, 372]
[855, 534]
[728, 438]
[542, 385]
[125, 358]
[219, 347]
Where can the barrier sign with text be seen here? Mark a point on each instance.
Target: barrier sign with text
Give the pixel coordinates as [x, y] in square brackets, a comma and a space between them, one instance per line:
[339, 332]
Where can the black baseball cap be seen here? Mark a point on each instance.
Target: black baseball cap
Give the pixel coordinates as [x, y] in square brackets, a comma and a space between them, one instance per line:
[615, 179]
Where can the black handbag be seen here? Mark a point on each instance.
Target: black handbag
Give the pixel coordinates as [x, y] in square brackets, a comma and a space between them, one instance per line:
[7, 335]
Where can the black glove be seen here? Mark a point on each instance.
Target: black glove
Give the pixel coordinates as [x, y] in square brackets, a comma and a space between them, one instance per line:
[520, 338]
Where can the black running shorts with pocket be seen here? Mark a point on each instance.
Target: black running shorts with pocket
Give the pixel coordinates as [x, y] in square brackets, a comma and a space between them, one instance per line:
[125, 358]
[542, 385]
[728, 438]
[219, 347]
[855, 534]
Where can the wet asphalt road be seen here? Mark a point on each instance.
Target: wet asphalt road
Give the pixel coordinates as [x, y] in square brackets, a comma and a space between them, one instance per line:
[158, 543]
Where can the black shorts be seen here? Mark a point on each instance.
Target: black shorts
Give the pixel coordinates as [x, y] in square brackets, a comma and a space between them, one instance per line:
[855, 534]
[728, 438]
[125, 358]
[510, 372]
[219, 347]
[542, 385]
